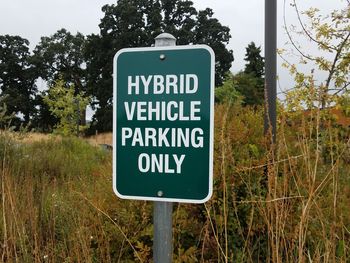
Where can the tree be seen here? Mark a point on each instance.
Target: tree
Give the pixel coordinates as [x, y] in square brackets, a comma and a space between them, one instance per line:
[250, 82]
[208, 30]
[64, 103]
[61, 56]
[255, 62]
[251, 88]
[5, 118]
[17, 78]
[179, 20]
[123, 25]
[329, 35]
[135, 23]
[43, 120]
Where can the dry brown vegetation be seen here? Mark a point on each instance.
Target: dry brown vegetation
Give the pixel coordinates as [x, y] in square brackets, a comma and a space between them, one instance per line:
[290, 204]
[32, 137]
[102, 138]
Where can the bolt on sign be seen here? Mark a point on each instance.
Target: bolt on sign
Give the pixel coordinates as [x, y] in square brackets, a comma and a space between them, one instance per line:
[163, 123]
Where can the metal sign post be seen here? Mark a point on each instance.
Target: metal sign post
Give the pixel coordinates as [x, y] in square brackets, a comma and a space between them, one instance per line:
[270, 67]
[163, 123]
[163, 211]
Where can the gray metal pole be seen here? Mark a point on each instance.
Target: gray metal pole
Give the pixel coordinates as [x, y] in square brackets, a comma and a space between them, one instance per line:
[162, 211]
[270, 67]
[163, 232]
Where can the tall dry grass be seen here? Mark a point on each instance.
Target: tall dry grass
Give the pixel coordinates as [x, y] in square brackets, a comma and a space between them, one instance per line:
[287, 204]
[102, 138]
[56, 205]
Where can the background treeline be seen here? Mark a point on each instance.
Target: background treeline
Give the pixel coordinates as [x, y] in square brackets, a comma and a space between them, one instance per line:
[85, 62]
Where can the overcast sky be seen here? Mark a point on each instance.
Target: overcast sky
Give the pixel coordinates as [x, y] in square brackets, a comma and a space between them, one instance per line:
[32, 19]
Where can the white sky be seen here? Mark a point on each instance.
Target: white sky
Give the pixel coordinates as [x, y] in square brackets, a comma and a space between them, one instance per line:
[245, 18]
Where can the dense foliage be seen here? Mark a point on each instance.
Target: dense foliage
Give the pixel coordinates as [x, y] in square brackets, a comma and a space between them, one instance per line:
[246, 86]
[17, 78]
[65, 104]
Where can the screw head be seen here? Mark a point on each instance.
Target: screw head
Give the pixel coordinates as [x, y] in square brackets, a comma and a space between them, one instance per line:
[160, 193]
[162, 57]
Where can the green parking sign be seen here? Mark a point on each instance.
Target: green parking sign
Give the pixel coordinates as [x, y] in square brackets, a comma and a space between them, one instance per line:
[163, 123]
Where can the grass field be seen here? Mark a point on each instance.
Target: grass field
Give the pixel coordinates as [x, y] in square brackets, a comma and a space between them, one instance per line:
[289, 204]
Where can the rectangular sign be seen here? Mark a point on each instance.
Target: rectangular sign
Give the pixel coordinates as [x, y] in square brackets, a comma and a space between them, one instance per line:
[163, 123]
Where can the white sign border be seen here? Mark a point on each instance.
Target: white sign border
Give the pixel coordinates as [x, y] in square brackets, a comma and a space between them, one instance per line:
[211, 138]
